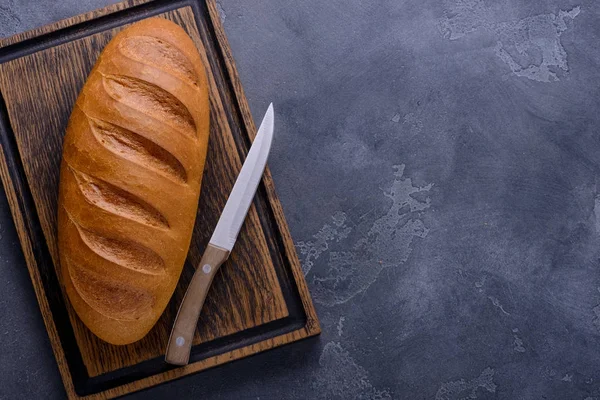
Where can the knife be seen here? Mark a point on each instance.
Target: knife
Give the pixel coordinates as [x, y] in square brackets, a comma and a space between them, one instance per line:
[221, 243]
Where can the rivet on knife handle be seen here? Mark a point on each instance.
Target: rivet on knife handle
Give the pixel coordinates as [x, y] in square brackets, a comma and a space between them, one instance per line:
[221, 242]
[180, 342]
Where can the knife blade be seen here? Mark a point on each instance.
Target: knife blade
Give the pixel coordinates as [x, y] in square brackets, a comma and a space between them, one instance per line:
[221, 242]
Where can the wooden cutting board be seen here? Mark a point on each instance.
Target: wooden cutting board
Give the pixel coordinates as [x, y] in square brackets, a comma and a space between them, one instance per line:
[259, 299]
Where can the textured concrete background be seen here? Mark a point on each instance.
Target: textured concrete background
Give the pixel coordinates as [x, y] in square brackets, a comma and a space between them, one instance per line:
[439, 166]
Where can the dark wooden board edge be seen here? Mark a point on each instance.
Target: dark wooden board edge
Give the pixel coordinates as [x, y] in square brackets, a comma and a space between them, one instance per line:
[312, 324]
[33, 33]
[16, 201]
[248, 123]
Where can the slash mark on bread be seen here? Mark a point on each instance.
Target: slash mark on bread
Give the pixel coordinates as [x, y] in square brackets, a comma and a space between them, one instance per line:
[118, 201]
[159, 54]
[151, 100]
[138, 149]
[113, 299]
[123, 252]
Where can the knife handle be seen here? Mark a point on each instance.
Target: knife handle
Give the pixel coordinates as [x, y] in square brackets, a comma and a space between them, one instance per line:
[180, 341]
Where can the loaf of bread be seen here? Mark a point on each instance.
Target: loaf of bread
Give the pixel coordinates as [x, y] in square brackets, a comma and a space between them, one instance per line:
[130, 178]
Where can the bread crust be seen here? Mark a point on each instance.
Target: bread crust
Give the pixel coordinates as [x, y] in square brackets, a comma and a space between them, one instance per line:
[130, 179]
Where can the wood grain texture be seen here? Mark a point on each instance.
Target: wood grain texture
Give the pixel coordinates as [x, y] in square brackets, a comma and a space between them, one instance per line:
[23, 227]
[255, 288]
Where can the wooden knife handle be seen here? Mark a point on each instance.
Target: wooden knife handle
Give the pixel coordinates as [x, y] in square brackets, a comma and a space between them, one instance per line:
[180, 342]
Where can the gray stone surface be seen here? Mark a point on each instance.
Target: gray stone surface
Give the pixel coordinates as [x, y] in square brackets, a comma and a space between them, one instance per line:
[439, 166]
